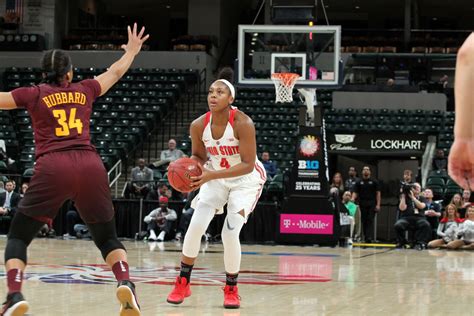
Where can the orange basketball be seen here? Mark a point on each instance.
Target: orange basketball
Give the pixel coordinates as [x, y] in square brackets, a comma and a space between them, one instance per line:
[180, 173]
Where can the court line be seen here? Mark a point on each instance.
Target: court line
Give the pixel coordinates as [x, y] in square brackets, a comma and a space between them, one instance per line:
[375, 253]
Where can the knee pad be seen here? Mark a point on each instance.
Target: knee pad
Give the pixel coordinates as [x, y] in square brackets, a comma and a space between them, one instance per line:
[201, 219]
[105, 237]
[22, 231]
[16, 249]
[232, 225]
[230, 239]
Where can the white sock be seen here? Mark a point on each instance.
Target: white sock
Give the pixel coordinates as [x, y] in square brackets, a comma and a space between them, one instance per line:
[152, 234]
[161, 236]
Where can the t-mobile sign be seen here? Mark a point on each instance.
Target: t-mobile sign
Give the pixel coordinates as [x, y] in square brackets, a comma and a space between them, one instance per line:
[306, 224]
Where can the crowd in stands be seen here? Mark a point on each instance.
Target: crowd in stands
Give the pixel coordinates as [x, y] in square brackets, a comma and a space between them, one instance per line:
[420, 223]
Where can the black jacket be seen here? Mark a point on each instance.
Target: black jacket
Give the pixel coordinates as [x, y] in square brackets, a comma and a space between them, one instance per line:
[15, 199]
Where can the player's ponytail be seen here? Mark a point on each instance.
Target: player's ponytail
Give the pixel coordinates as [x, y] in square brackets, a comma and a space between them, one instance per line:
[226, 76]
[55, 65]
[226, 73]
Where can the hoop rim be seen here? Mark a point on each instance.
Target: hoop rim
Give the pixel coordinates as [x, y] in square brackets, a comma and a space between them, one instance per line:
[287, 79]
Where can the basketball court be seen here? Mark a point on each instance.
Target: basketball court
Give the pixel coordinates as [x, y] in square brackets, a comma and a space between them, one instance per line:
[68, 277]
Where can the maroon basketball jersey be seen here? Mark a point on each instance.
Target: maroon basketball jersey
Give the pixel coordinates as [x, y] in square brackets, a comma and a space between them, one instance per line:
[60, 114]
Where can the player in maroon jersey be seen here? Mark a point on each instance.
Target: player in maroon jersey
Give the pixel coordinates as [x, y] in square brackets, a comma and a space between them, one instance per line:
[67, 167]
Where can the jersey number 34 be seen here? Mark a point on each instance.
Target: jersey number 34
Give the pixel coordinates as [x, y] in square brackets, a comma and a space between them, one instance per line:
[67, 125]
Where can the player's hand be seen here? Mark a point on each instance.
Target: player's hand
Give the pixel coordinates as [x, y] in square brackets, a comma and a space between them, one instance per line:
[377, 208]
[461, 163]
[135, 40]
[205, 176]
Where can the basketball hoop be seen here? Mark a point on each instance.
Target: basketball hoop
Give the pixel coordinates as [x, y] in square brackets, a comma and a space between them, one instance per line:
[284, 83]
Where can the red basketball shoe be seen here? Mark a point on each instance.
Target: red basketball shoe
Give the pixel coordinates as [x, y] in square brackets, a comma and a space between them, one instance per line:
[180, 291]
[231, 296]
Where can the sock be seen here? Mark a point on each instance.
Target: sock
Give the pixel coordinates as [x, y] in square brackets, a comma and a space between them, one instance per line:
[186, 271]
[120, 270]
[231, 279]
[14, 280]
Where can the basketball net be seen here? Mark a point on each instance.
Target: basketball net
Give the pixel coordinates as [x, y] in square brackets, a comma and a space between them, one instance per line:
[311, 101]
[284, 83]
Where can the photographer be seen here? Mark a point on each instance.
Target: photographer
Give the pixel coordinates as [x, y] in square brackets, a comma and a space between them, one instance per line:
[412, 216]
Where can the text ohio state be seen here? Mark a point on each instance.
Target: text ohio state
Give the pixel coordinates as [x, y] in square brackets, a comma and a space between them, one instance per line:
[223, 150]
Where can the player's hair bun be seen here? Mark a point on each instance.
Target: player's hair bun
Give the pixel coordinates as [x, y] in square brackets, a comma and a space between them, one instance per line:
[226, 73]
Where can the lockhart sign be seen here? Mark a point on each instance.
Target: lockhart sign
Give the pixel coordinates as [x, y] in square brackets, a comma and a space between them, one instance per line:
[376, 142]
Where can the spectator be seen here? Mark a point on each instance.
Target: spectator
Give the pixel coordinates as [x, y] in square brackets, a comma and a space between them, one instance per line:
[338, 183]
[465, 232]
[186, 216]
[169, 155]
[142, 178]
[432, 212]
[367, 191]
[24, 187]
[9, 200]
[457, 201]
[412, 217]
[161, 190]
[439, 161]
[390, 82]
[269, 165]
[407, 176]
[161, 220]
[2, 187]
[466, 197]
[352, 210]
[444, 81]
[353, 179]
[447, 228]
[72, 219]
[47, 230]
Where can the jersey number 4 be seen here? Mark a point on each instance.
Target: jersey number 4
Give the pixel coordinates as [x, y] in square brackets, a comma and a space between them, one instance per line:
[67, 125]
[225, 163]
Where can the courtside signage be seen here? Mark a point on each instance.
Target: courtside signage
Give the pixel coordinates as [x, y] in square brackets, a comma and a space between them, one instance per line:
[306, 224]
[376, 143]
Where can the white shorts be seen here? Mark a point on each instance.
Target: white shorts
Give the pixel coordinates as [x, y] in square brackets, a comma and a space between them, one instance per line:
[240, 193]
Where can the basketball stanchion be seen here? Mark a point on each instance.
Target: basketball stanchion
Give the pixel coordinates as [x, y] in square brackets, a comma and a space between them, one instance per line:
[140, 213]
[284, 83]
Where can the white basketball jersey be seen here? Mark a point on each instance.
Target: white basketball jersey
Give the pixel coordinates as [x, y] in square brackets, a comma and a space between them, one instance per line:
[224, 152]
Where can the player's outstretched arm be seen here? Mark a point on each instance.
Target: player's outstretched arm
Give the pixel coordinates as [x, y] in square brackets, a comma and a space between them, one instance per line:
[120, 67]
[461, 156]
[6, 101]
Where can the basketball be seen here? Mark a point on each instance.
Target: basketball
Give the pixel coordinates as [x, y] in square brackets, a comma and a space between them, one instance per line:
[180, 173]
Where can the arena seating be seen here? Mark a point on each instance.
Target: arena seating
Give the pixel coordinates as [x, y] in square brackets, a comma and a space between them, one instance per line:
[121, 119]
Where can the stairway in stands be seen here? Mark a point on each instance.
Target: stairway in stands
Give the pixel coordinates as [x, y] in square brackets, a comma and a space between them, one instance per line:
[158, 141]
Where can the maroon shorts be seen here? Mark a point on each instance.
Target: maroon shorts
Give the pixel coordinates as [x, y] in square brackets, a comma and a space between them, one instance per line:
[77, 175]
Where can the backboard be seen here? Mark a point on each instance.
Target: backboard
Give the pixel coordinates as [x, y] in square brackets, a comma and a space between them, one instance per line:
[310, 51]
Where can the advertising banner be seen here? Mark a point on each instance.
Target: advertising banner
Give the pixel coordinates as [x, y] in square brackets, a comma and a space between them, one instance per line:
[376, 143]
[309, 174]
[306, 224]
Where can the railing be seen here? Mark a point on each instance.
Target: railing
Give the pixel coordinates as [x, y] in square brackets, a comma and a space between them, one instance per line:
[117, 171]
[183, 105]
[427, 159]
[202, 81]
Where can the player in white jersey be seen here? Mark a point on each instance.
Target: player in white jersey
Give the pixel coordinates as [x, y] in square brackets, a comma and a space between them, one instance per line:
[233, 176]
